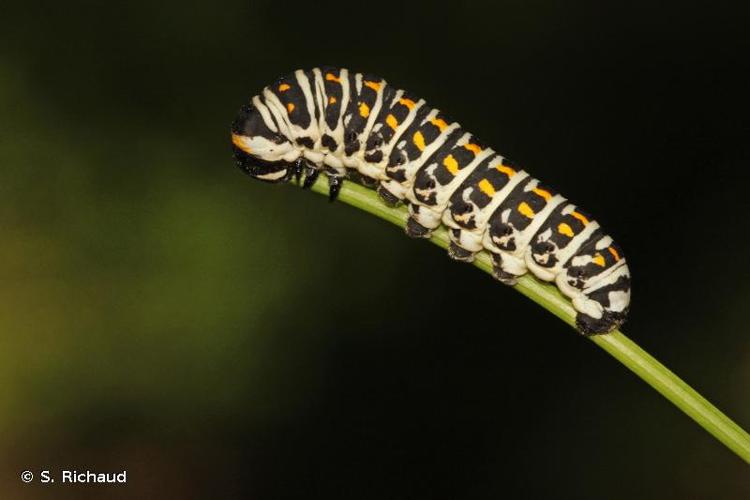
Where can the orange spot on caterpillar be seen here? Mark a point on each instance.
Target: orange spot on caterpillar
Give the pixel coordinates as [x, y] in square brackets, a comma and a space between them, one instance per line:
[331, 100]
[565, 229]
[599, 260]
[473, 148]
[419, 140]
[486, 188]
[451, 164]
[506, 170]
[391, 121]
[284, 87]
[407, 102]
[290, 107]
[526, 210]
[544, 194]
[364, 110]
[614, 253]
[439, 123]
[239, 141]
[373, 85]
[580, 217]
[332, 78]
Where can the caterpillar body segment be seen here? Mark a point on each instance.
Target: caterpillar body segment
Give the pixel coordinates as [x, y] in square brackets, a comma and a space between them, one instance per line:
[351, 125]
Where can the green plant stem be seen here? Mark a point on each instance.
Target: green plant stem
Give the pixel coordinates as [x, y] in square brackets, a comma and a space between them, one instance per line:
[615, 343]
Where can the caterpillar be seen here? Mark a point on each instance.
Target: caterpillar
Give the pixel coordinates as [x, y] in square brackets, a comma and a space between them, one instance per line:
[356, 126]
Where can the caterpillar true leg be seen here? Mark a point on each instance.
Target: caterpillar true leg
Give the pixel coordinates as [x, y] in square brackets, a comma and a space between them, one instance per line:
[335, 182]
[311, 175]
[296, 171]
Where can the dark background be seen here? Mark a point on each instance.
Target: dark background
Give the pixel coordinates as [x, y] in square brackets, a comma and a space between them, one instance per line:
[215, 336]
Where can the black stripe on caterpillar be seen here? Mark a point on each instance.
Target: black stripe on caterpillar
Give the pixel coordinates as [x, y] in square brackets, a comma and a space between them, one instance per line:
[356, 126]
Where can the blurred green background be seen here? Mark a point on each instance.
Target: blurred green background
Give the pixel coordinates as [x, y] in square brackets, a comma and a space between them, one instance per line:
[215, 336]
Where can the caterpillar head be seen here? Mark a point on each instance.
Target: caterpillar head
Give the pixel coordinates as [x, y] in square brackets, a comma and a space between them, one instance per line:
[260, 151]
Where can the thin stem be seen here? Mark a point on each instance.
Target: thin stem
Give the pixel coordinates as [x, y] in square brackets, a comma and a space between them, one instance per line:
[615, 343]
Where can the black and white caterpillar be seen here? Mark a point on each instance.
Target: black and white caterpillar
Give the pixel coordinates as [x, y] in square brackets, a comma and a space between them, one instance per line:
[357, 126]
